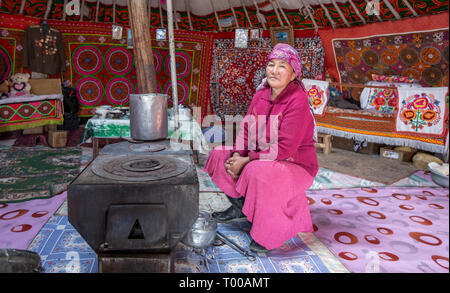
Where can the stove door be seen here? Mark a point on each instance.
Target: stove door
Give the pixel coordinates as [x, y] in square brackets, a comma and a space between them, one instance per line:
[136, 227]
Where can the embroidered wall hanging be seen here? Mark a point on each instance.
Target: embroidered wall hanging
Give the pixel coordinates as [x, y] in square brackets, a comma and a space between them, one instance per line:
[422, 111]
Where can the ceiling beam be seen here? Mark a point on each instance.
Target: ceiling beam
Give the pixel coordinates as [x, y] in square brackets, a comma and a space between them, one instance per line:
[188, 11]
[22, 6]
[215, 13]
[160, 14]
[282, 12]
[174, 16]
[234, 14]
[64, 10]
[393, 11]
[316, 27]
[357, 12]
[340, 13]
[49, 6]
[258, 15]
[149, 11]
[96, 10]
[406, 2]
[277, 13]
[81, 11]
[246, 15]
[333, 24]
[114, 12]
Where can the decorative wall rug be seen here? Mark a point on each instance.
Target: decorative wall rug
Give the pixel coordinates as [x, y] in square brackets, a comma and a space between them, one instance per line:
[384, 229]
[236, 73]
[417, 55]
[103, 71]
[38, 172]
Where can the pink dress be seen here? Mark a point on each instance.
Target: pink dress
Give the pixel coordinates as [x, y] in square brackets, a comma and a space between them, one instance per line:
[275, 180]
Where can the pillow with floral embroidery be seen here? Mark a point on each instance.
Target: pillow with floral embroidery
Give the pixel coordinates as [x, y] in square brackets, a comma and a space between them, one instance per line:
[392, 78]
[383, 100]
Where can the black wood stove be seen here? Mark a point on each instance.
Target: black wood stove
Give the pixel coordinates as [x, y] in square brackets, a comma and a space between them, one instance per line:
[134, 203]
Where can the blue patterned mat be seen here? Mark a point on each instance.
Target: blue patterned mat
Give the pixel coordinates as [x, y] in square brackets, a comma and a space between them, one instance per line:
[63, 250]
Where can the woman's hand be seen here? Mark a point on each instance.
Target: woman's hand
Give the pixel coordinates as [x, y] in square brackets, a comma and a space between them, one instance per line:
[235, 164]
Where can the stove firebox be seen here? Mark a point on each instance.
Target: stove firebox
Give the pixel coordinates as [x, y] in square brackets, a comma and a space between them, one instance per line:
[133, 207]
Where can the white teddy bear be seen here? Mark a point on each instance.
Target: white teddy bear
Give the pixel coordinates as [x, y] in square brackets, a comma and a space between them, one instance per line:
[20, 85]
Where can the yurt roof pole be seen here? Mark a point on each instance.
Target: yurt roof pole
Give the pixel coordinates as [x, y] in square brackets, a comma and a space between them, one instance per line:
[258, 15]
[175, 17]
[215, 13]
[64, 11]
[391, 8]
[316, 27]
[81, 11]
[406, 2]
[22, 6]
[340, 13]
[234, 14]
[282, 12]
[333, 24]
[277, 13]
[188, 11]
[114, 12]
[246, 15]
[357, 12]
[173, 70]
[49, 6]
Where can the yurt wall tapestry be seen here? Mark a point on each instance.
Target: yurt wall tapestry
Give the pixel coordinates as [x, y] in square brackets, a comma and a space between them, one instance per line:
[102, 69]
[236, 73]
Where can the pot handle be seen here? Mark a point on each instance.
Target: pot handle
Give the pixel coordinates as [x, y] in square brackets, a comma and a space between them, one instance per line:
[235, 246]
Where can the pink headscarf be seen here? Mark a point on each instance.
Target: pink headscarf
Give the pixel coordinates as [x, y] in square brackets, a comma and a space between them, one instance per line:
[289, 54]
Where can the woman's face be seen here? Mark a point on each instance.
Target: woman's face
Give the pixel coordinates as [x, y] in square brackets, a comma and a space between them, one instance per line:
[279, 73]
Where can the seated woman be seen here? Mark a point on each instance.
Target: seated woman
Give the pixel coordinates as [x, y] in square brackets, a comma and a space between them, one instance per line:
[273, 162]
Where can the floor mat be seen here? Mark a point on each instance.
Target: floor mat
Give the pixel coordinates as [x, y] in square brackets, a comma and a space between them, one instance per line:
[384, 229]
[38, 172]
[370, 167]
[21, 222]
[63, 250]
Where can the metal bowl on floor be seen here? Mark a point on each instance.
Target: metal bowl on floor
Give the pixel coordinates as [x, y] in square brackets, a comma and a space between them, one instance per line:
[202, 233]
[437, 177]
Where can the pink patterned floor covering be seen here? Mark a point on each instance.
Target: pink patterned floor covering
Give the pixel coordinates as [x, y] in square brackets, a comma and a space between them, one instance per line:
[384, 229]
[21, 222]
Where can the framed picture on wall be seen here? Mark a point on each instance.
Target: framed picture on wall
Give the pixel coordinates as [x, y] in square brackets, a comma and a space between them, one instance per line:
[129, 39]
[282, 35]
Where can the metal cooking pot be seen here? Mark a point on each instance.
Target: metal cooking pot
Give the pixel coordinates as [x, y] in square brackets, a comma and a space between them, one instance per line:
[202, 233]
[148, 116]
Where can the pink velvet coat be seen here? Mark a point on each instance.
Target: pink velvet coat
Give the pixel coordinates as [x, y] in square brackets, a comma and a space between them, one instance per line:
[282, 165]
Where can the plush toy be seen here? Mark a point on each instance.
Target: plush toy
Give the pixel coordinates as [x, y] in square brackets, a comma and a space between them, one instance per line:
[20, 85]
[4, 89]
